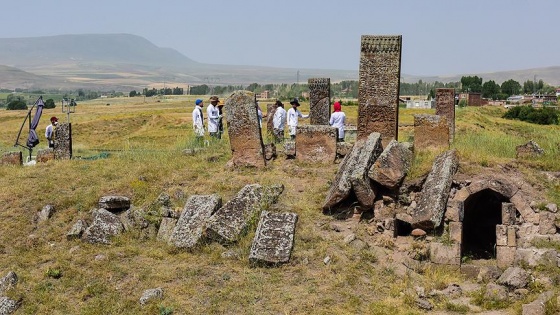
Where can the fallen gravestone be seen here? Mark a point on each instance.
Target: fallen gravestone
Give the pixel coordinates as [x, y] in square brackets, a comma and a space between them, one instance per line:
[105, 224]
[274, 239]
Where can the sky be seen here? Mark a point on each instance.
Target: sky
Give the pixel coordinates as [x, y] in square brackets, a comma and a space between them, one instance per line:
[440, 37]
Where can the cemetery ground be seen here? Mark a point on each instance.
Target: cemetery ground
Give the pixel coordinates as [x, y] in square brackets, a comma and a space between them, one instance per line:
[144, 141]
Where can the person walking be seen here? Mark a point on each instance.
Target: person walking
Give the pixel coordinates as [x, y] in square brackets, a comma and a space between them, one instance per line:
[338, 118]
[49, 131]
[213, 117]
[293, 116]
[198, 121]
[279, 122]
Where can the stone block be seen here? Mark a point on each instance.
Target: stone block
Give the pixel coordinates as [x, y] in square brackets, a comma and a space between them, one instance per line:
[392, 165]
[244, 131]
[290, 149]
[319, 101]
[166, 229]
[456, 232]
[501, 235]
[12, 158]
[316, 144]
[63, 141]
[44, 155]
[191, 225]
[435, 192]
[114, 203]
[505, 256]
[508, 213]
[514, 277]
[105, 225]
[343, 148]
[512, 236]
[546, 222]
[537, 257]
[445, 254]
[431, 131]
[455, 211]
[274, 239]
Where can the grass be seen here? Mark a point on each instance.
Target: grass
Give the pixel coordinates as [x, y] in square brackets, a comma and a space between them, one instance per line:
[145, 142]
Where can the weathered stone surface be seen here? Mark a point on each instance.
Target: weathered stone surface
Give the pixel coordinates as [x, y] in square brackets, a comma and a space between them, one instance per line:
[496, 183]
[274, 239]
[77, 230]
[8, 281]
[501, 235]
[378, 96]
[63, 141]
[12, 158]
[455, 211]
[319, 101]
[45, 213]
[105, 224]
[522, 204]
[44, 155]
[270, 111]
[433, 197]
[495, 292]
[418, 233]
[316, 144]
[431, 131]
[166, 228]
[514, 277]
[456, 232]
[488, 273]
[538, 306]
[529, 149]
[269, 151]
[508, 213]
[552, 207]
[231, 221]
[290, 149]
[512, 236]
[546, 222]
[505, 256]
[391, 166]
[343, 148]
[8, 306]
[445, 107]
[537, 257]
[362, 186]
[114, 203]
[445, 254]
[192, 223]
[151, 294]
[244, 131]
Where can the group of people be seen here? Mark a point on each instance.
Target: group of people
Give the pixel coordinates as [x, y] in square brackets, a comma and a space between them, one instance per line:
[280, 119]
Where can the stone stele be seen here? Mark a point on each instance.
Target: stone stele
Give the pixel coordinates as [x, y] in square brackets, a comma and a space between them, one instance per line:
[316, 143]
[274, 239]
[319, 101]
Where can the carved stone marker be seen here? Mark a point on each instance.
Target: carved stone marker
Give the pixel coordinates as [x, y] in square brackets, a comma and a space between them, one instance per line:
[392, 165]
[12, 158]
[445, 106]
[319, 101]
[378, 95]
[63, 141]
[244, 132]
[231, 221]
[435, 192]
[431, 131]
[274, 239]
[192, 222]
[44, 155]
[316, 143]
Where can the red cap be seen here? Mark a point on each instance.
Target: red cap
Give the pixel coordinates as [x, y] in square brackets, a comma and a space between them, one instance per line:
[53, 118]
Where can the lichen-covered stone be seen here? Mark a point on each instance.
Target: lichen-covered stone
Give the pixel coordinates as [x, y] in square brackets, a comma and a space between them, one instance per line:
[45, 213]
[189, 229]
[8, 306]
[361, 184]
[316, 143]
[114, 203]
[8, 281]
[166, 228]
[232, 220]
[151, 294]
[274, 238]
[105, 225]
[529, 149]
[514, 277]
[319, 101]
[44, 155]
[77, 230]
[63, 141]
[392, 165]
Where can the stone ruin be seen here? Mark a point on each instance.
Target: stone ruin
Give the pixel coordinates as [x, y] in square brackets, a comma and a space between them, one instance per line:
[7, 305]
[319, 101]
[379, 82]
[445, 106]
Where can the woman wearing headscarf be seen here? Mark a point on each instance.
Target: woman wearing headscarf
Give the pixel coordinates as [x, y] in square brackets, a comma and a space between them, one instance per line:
[338, 118]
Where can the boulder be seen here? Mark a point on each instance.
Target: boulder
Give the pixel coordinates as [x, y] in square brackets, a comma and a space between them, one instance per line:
[391, 166]
[514, 277]
[77, 230]
[45, 213]
[8, 306]
[362, 186]
[105, 225]
[114, 203]
[8, 281]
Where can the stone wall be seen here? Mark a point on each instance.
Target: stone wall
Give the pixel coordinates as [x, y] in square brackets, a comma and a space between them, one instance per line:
[430, 131]
[379, 83]
[63, 141]
[445, 106]
[319, 101]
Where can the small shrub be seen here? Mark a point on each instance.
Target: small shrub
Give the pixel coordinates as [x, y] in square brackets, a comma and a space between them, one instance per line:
[165, 310]
[54, 273]
[16, 105]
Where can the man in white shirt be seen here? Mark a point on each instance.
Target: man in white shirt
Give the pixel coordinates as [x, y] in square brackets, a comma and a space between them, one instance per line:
[293, 115]
[198, 121]
[49, 132]
[213, 117]
[279, 122]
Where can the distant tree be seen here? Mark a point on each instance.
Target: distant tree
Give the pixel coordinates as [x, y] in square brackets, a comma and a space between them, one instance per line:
[490, 89]
[177, 91]
[471, 84]
[49, 103]
[252, 87]
[200, 89]
[132, 93]
[14, 97]
[511, 87]
[528, 87]
[16, 105]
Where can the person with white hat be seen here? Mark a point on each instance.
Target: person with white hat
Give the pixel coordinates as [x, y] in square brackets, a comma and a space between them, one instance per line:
[213, 117]
[293, 115]
[198, 120]
[49, 132]
[279, 122]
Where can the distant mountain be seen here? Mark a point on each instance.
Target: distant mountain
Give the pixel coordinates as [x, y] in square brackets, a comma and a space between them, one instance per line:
[124, 62]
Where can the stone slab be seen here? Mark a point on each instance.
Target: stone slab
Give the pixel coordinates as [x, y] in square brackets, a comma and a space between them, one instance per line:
[508, 213]
[166, 228]
[114, 203]
[316, 144]
[430, 131]
[445, 106]
[274, 239]
[392, 165]
[63, 141]
[445, 254]
[505, 256]
[44, 155]
[362, 185]
[319, 101]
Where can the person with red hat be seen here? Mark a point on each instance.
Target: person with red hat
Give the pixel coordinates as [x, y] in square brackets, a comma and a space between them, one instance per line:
[49, 132]
[338, 118]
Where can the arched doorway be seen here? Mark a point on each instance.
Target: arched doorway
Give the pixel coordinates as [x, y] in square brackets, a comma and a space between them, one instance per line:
[482, 212]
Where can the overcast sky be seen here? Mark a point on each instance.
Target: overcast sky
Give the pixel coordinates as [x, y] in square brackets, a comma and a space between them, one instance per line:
[440, 37]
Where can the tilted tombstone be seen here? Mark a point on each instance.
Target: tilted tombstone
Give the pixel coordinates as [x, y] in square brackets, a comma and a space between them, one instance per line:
[319, 101]
[274, 239]
[445, 106]
[244, 132]
[316, 143]
[431, 131]
[379, 83]
[63, 141]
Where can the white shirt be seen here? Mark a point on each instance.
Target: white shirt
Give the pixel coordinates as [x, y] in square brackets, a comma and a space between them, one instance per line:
[293, 116]
[197, 121]
[213, 115]
[49, 131]
[337, 120]
[279, 118]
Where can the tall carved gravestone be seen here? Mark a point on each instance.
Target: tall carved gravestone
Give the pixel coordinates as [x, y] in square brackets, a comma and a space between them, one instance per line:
[244, 132]
[63, 141]
[378, 95]
[319, 101]
[445, 106]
